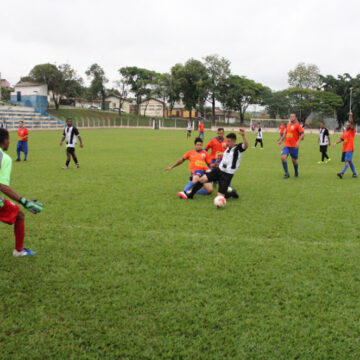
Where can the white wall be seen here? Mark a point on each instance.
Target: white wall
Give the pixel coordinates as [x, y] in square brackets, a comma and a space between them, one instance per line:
[31, 90]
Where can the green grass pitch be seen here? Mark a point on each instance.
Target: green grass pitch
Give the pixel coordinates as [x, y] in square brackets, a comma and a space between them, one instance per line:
[126, 270]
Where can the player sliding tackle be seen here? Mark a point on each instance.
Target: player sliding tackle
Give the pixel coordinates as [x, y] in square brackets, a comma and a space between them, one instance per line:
[229, 164]
[198, 164]
[9, 212]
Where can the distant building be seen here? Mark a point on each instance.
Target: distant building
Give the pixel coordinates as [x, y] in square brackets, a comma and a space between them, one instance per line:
[31, 94]
[5, 84]
[179, 111]
[153, 107]
[115, 102]
[227, 117]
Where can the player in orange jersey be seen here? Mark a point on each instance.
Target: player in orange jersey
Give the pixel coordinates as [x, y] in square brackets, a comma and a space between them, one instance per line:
[347, 138]
[217, 145]
[201, 129]
[199, 160]
[293, 136]
[22, 145]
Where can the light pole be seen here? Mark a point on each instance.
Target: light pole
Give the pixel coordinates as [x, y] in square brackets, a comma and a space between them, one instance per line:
[351, 89]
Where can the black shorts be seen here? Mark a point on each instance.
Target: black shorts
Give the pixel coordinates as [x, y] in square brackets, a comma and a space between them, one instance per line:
[223, 178]
[323, 148]
[259, 140]
[189, 132]
[70, 150]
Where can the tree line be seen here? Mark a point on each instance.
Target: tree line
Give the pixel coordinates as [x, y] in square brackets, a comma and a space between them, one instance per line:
[205, 84]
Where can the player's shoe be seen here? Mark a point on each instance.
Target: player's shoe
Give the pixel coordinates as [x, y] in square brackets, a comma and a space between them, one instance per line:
[340, 175]
[17, 160]
[355, 175]
[23, 252]
[77, 165]
[321, 162]
[286, 176]
[182, 195]
[65, 167]
[261, 148]
[296, 175]
[234, 194]
[328, 160]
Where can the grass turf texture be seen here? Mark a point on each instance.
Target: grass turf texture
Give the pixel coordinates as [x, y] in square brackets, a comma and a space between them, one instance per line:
[126, 270]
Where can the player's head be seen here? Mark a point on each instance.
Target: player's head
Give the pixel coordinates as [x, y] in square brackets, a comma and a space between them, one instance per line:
[4, 139]
[347, 125]
[322, 124]
[21, 124]
[231, 140]
[69, 121]
[198, 144]
[259, 125]
[293, 118]
[220, 133]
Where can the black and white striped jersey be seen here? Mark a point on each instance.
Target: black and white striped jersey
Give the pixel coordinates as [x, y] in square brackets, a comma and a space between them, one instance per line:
[259, 133]
[324, 136]
[71, 133]
[231, 159]
[3, 125]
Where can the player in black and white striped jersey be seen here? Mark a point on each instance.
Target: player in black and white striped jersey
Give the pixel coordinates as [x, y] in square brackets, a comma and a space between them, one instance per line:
[71, 134]
[3, 124]
[230, 163]
[324, 142]
[259, 137]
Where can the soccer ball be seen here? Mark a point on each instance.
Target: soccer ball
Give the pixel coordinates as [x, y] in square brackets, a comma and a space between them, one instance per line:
[219, 201]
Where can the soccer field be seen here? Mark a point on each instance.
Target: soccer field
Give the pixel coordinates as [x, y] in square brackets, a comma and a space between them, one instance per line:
[126, 270]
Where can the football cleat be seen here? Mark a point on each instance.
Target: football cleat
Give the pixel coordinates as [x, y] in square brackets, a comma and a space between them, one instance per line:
[340, 175]
[65, 167]
[23, 252]
[182, 195]
[355, 175]
[286, 176]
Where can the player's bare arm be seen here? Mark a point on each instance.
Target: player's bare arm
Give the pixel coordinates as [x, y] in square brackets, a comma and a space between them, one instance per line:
[282, 139]
[62, 140]
[301, 138]
[179, 162]
[245, 140]
[8, 191]
[81, 143]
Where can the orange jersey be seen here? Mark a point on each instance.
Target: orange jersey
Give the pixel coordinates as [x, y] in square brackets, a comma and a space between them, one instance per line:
[197, 160]
[201, 127]
[282, 129]
[23, 132]
[348, 138]
[293, 132]
[217, 146]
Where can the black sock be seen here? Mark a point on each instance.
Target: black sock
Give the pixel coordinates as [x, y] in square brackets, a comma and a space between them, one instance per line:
[75, 159]
[195, 189]
[67, 162]
[326, 155]
[322, 156]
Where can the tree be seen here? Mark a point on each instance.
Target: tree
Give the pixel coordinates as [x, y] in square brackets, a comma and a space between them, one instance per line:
[98, 81]
[341, 85]
[191, 82]
[240, 92]
[5, 94]
[218, 70]
[277, 104]
[71, 85]
[305, 77]
[122, 90]
[50, 75]
[141, 82]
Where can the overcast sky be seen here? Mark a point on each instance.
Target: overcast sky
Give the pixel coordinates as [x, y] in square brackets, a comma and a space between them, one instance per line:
[262, 39]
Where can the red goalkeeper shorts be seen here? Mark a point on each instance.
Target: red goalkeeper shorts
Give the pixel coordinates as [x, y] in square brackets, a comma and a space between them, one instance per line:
[9, 212]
